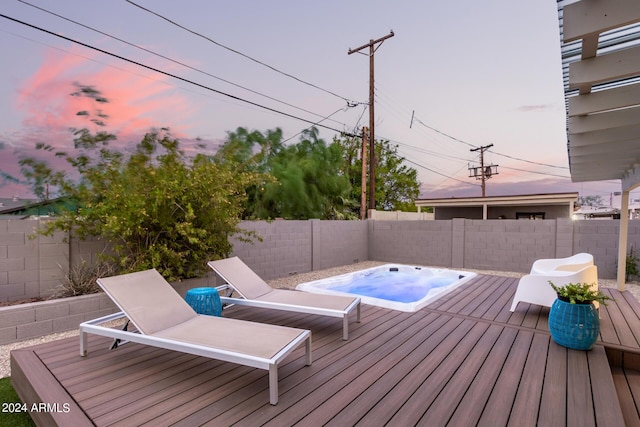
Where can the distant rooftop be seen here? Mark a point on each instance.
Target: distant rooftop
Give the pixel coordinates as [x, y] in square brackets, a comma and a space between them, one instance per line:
[13, 204]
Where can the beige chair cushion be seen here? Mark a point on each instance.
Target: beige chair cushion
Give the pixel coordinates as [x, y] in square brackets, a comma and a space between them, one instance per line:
[237, 336]
[241, 277]
[148, 300]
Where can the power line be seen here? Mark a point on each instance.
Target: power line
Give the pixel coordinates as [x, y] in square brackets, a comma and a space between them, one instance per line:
[427, 168]
[348, 101]
[172, 75]
[357, 125]
[442, 133]
[402, 144]
[536, 172]
[174, 61]
[430, 152]
[415, 119]
[528, 161]
[240, 99]
[441, 174]
[315, 124]
[491, 151]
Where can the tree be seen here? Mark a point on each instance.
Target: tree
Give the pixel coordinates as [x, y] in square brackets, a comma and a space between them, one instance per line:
[251, 152]
[159, 208]
[396, 184]
[307, 180]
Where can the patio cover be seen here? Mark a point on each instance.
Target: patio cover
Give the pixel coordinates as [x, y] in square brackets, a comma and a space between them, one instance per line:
[600, 43]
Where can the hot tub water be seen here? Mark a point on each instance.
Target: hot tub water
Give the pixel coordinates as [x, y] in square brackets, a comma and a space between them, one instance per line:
[395, 286]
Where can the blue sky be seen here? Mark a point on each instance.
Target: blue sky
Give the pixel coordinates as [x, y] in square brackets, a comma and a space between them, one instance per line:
[471, 73]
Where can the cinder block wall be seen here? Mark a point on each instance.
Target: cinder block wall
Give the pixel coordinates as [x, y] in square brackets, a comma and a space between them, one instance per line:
[24, 321]
[508, 245]
[285, 248]
[292, 247]
[505, 245]
[412, 242]
[600, 238]
[338, 243]
[30, 265]
[32, 320]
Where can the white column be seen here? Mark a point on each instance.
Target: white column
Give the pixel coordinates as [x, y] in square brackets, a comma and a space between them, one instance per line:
[622, 239]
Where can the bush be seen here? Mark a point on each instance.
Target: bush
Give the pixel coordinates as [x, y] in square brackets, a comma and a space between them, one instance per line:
[157, 206]
[81, 279]
[631, 266]
[579, 293]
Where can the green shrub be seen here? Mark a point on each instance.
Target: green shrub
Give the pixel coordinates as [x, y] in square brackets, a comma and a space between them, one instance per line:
[81, 279]
[578, 293]
[631, 266]
[157, 205]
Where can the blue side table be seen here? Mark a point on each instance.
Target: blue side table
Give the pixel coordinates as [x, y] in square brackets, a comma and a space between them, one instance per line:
[204, 301]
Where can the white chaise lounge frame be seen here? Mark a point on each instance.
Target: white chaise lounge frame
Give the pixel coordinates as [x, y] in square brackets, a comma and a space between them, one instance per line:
[233, 270]
[243, 358]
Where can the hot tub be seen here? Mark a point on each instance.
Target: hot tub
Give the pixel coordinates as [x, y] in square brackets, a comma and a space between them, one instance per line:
[394, 286]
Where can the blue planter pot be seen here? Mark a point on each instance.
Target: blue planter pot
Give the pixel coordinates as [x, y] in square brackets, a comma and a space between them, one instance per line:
[574, 326]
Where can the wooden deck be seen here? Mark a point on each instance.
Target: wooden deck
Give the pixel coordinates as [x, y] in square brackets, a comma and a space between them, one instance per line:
[464, 360]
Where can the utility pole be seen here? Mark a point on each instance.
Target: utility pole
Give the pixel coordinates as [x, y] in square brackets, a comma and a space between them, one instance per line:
[485, 172]
[372, 159]
[363, 181]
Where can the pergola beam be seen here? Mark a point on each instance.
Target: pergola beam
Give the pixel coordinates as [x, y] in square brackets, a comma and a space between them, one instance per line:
[609, 120]
[605, 68]
[611, 99]
[626, 133]
[616, 147]
[588, 17]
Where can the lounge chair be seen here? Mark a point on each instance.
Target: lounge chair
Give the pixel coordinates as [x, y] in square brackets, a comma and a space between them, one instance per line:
[257, 293]
[544, 266]
[535, 288]
[163, 319]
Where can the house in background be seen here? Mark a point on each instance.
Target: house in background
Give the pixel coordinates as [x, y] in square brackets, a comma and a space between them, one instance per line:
[16, 208]
[531, 206]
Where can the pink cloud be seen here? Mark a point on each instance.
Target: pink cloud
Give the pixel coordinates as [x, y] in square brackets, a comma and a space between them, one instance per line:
[136, 103]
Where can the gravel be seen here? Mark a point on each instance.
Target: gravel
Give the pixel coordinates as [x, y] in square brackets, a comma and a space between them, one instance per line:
[289, 282]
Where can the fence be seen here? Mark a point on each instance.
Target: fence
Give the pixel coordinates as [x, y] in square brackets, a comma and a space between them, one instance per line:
[31, 266]
[400, 216]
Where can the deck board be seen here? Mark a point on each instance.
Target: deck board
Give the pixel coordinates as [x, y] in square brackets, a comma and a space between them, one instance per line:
[526, 405]
[463, 360]
[470, 408]
[553, 404]
[601, 378]
[623, 389]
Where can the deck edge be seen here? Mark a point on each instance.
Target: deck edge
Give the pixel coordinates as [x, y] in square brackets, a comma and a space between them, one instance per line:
[35, 385]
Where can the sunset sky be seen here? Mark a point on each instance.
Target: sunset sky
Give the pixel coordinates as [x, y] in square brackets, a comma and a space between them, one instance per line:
[469, 73]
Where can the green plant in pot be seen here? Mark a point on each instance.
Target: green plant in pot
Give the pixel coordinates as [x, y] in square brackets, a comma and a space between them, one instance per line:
[573, 319]
[579, 293]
